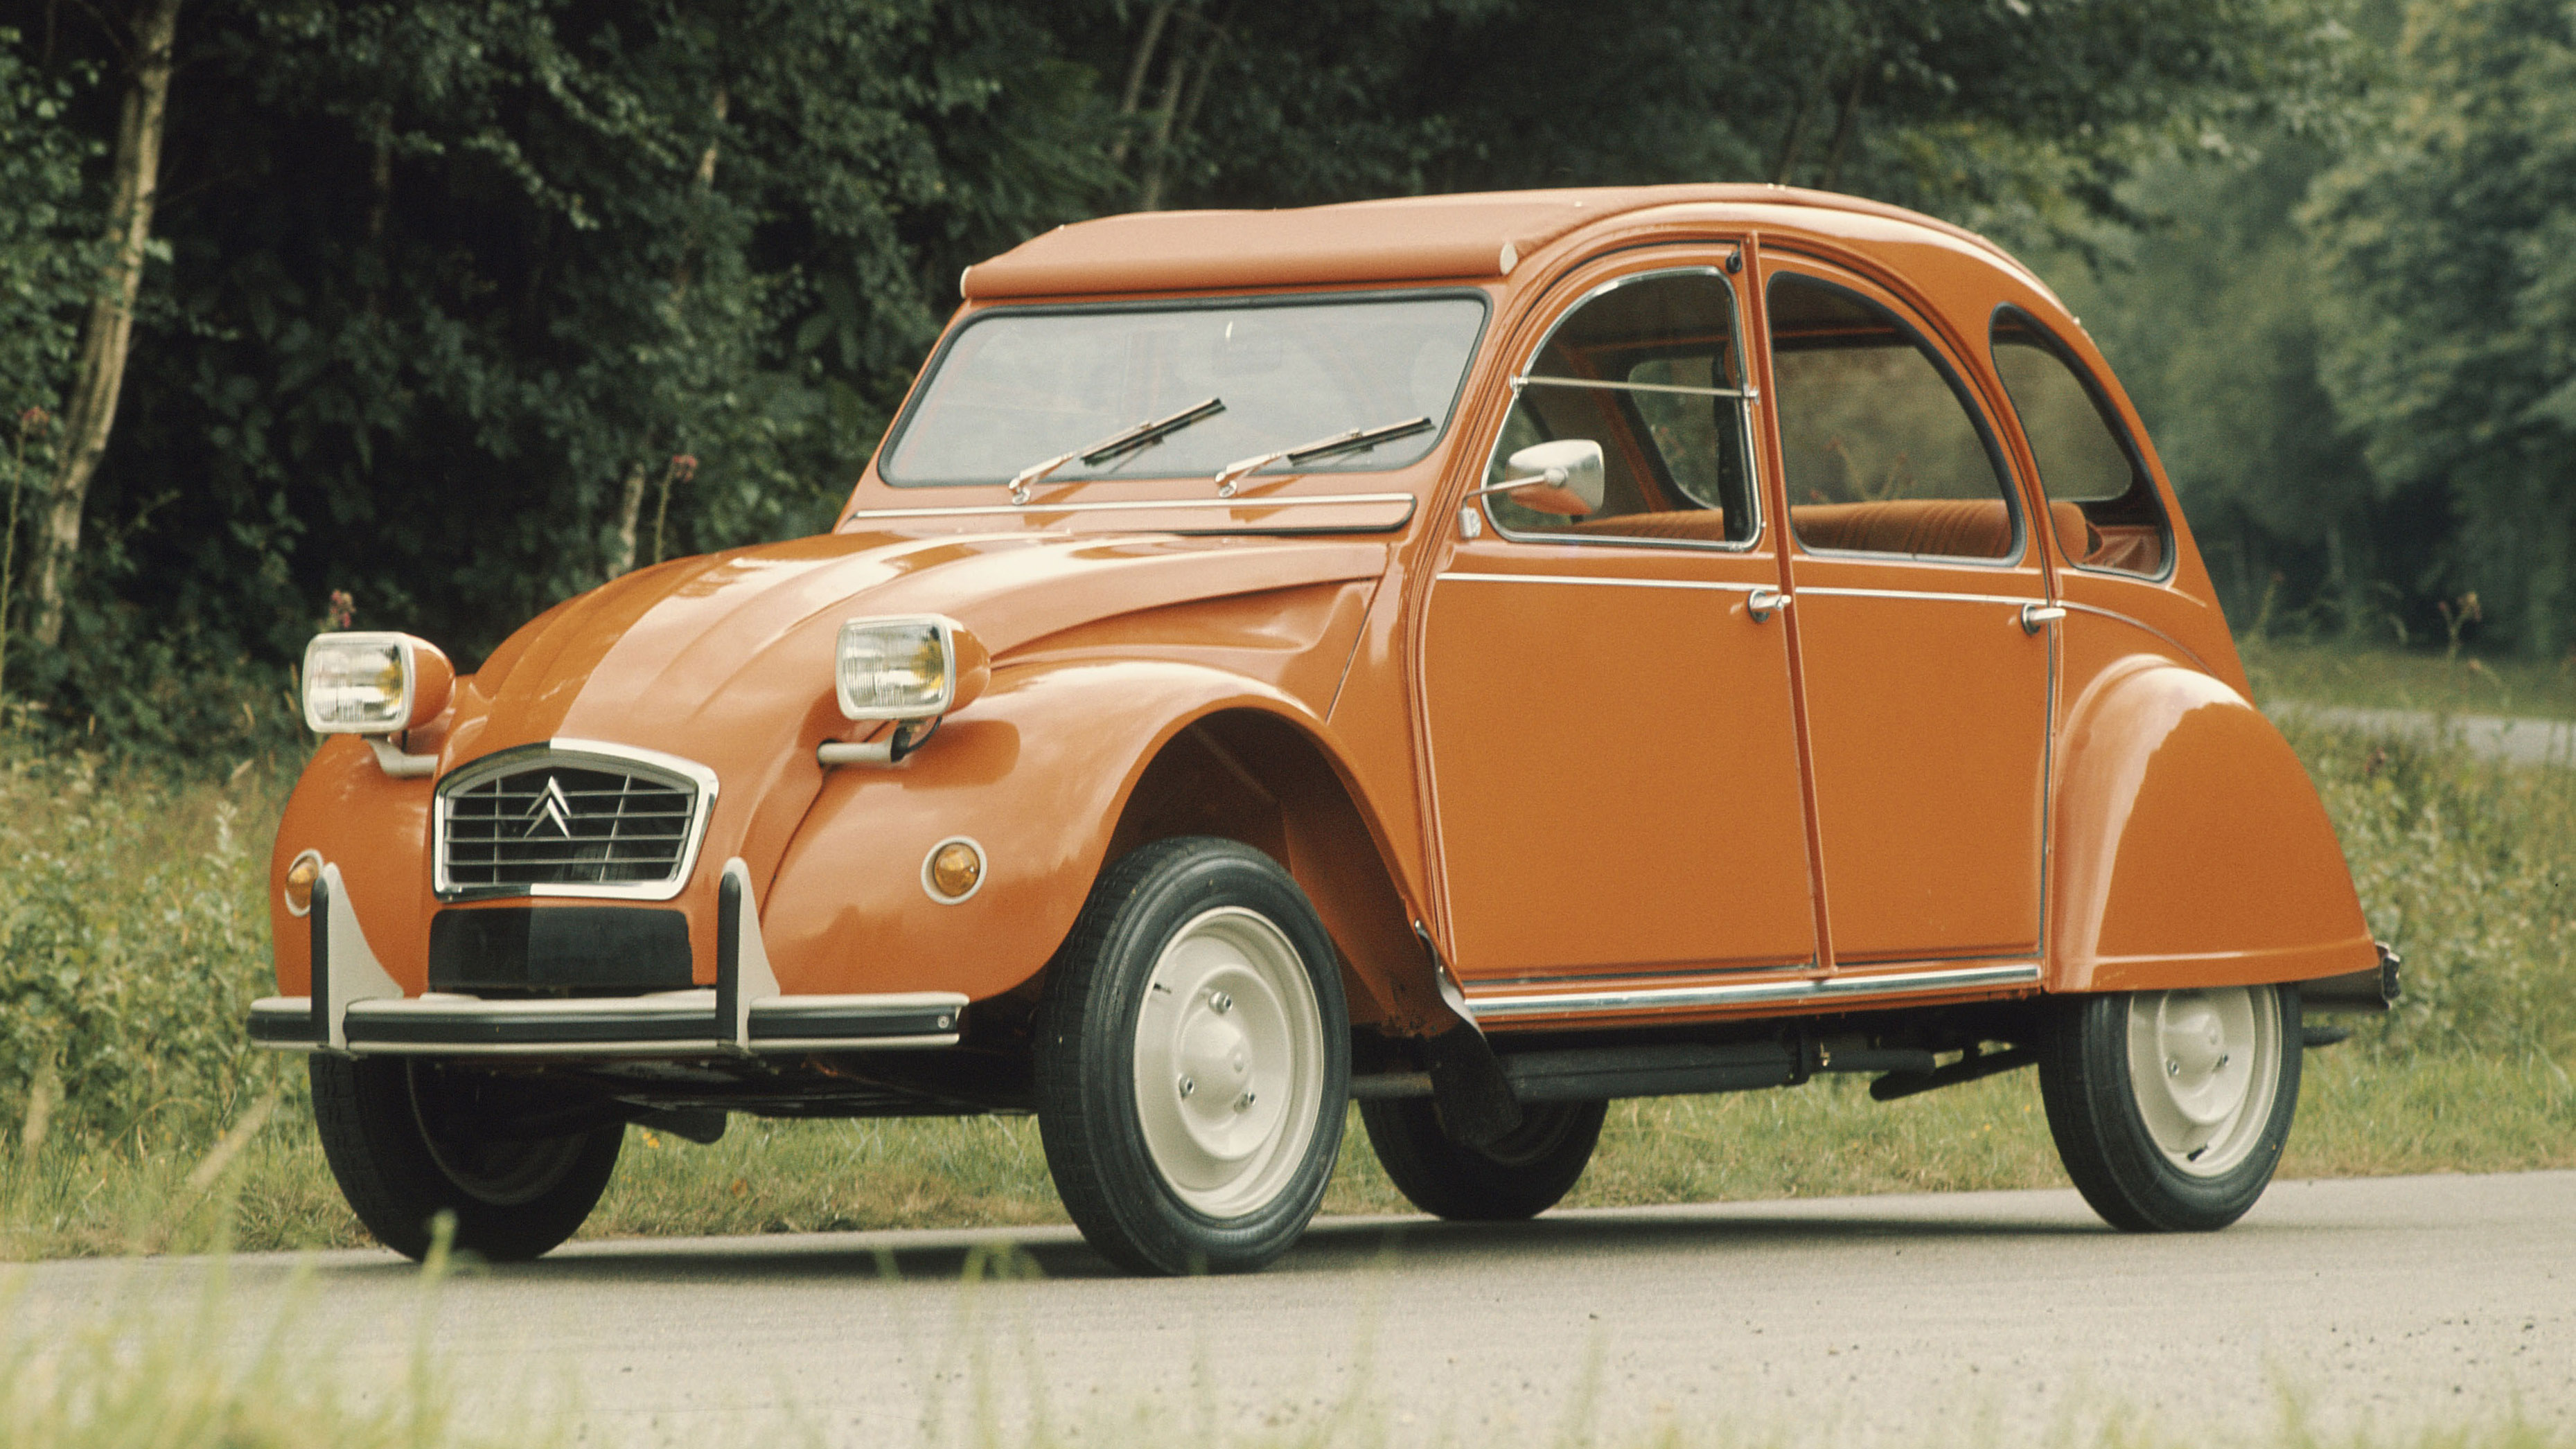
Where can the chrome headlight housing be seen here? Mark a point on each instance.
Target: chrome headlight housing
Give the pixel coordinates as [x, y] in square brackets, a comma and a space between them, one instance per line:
[360, 683]
[906, 667]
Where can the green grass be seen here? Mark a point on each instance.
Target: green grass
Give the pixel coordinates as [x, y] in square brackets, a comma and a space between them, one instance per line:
[2444, 683]
[133, 931]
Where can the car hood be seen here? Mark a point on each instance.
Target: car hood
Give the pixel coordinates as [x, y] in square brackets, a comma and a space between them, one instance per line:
[691, 656]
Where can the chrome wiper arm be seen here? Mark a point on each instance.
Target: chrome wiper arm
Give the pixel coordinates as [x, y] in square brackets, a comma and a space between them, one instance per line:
[1354, 441]
[1116, 445]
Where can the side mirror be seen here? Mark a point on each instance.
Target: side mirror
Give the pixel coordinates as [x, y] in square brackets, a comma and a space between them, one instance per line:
[1563, 477]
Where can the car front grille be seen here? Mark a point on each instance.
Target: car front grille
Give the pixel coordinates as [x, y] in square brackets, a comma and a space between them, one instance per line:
[549, 822]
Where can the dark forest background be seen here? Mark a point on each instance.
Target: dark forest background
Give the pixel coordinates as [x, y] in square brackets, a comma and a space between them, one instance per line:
[428, 314]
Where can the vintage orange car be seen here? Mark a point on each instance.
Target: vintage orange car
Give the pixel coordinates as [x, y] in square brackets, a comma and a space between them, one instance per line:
[1474, 656]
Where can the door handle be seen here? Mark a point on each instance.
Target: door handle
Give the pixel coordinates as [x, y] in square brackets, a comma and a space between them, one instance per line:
[1761, 604]
[2033, 616]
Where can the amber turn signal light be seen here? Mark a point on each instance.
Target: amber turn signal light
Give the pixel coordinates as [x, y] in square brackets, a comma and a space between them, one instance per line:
[300, 876]
[953, 871]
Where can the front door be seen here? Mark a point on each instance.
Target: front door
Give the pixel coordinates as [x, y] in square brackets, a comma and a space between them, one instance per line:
[1926, 683]
[1612, 736]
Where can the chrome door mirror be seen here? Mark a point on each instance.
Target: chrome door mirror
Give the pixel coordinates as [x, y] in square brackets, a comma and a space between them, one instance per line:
[1563, 477]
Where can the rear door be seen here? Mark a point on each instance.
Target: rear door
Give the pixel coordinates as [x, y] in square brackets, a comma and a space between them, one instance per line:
[1926, 683]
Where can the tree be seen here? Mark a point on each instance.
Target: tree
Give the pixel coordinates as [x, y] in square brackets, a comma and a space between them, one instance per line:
[2450, 239]
[148, 34]
[46, 276]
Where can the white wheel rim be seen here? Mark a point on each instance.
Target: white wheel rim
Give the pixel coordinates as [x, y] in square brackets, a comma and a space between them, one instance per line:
[1229, 1063]
[2205, 1067]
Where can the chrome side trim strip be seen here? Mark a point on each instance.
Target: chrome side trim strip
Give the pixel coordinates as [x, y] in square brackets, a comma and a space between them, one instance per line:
[1136, 505]
[1724, 588]
[1926, 595]
[1755, 993]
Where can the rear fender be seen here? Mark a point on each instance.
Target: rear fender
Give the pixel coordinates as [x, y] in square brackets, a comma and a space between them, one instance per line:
[1053, 771]
[2191, 849]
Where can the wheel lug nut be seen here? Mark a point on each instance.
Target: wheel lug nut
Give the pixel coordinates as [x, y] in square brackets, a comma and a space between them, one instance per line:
[1189, 1085]
[2173, 1066]
[1244, 1102]
[1220, 1003]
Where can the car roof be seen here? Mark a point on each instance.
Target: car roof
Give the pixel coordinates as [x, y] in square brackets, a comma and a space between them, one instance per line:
[1475, 236]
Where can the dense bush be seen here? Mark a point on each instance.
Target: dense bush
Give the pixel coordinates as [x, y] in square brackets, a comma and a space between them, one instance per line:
[133, 929]
[2467, 870]
[133, 936]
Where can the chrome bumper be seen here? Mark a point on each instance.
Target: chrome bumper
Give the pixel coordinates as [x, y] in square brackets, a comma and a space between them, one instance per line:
[355, 1007]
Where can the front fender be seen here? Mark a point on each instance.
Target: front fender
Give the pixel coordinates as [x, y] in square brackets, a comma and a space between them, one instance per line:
[1036, 773]
[375, 828]
[2191, 849]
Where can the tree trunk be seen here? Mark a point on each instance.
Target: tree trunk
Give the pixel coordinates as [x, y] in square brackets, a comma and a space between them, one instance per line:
[1136, 69]
[1843, 130]
[629, 509]
[109, 333]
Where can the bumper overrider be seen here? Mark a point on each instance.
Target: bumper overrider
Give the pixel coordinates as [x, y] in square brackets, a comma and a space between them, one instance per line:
[356, 1008]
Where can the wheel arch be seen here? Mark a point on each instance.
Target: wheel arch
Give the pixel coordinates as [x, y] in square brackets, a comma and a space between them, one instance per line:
[2189, 846]
[1057, 771]
[1271, 780]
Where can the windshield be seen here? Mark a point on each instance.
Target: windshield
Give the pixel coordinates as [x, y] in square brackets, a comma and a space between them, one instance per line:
[1016, 387]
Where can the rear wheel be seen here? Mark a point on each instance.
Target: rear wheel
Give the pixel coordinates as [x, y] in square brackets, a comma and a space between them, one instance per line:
[1524, 1173]
[1193, 1060]
[2170, 1108]
[408, 1140]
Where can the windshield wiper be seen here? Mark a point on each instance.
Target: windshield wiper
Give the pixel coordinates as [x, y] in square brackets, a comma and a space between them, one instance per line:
[1116, 445]
[1355, 441]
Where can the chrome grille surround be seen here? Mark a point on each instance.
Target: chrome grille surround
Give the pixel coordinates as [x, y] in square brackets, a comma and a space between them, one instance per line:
[568, 817]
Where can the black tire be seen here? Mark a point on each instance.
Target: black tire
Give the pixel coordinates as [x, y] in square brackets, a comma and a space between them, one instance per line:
[2102, 1123]
[1524, 1174]
[401, 1137]
[1096, 1050]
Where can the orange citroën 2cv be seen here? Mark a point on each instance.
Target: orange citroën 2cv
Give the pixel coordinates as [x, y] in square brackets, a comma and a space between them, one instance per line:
[1474, 656]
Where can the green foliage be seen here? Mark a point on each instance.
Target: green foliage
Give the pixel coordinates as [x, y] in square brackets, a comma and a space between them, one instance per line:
[2211, 321]
[133, 935]
[2449, 241]
[442, 287]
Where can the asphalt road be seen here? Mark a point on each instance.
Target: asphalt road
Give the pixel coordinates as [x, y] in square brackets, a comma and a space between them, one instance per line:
[2381, 1306]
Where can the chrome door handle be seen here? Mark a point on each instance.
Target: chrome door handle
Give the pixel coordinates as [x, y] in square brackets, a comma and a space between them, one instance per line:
[2035, 615]
[1761, 604]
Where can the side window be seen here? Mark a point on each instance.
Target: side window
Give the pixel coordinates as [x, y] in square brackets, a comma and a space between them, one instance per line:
[1882, 449]
[1650, 368]
[2086, 463]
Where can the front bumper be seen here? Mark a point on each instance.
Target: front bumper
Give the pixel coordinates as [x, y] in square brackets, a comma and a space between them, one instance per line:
[355, 1007]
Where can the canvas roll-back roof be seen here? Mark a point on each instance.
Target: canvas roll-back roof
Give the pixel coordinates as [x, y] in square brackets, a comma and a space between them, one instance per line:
[1476, 236]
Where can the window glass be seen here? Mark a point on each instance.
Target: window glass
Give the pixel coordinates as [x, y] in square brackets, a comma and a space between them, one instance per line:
[1649, 369]
[1882, 450]
[2085, 461]
[1016, 387]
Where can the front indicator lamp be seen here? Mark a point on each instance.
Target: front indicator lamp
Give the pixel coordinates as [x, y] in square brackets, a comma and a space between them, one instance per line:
[373, 684]
[300, 876]
[915, 667]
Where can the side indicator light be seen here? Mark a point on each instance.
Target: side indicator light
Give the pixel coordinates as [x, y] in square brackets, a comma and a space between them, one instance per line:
[953, 870]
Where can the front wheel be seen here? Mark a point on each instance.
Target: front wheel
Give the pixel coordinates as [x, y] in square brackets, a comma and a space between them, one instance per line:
[408, 1140]
[2170, 1108]
[1193, 1060]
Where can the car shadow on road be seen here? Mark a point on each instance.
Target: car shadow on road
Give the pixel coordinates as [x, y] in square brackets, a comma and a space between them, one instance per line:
[1333, 1245]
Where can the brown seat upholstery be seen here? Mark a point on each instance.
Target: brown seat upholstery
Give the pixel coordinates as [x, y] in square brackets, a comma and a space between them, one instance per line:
[1941, 527]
